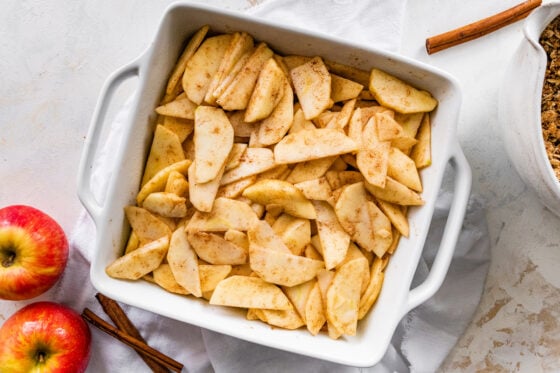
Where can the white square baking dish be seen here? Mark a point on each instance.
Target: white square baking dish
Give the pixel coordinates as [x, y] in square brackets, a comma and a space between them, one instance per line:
[152, 69]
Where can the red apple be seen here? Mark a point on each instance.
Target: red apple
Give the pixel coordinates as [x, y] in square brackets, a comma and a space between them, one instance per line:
[33, 252]
[44, 337]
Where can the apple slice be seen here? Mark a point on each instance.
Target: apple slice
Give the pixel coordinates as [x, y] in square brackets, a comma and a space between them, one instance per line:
[240, 44]
[146, 225]
[312, 84]
[294, 232]
[215, 249]
[282, 268]
[158, 181]
[309, 144]
[343, 297]
[282, 193]
[373, 158]
[249, 292]
[183, 262]
[343, 89]
[403, 169]
[213, 141]
[395, 192]
[253, 161]
[139, 262]
[203, 65]
[181, 107]
[237, 94]
[167, 205]
[226, 214]
[267, 93]
[278, 123]
[174, 83]
[394, 93]
[261, 234]
[202, 195]
[334, 239]
[179, 126]
[353, 214]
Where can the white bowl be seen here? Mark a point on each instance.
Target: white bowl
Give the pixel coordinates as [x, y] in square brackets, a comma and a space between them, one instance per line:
[152, 69]
[520, 109]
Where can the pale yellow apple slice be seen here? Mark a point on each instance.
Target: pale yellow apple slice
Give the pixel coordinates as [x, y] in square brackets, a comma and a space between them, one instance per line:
[294, 232]
[395, 192]
[373, 157]
[145, 225]
[249, 292]
[315, 316]
[334, 239]
[282, 268]
[267, 93]
[237, 94]
[202, 195]
[163, 276]
[422, 151]
[181, 127]
[261, 234]
[181, 107]
[310, 144]
[253, 161]
[278, 123]
[397, 216]
[343, 89]
[353, 214]
[215, 249]
[165, 204]
[226, 214]
[310, 170]
[240, 44]
[381, 227]
[373, 289]
[213, 141]
[165, 150]
[403, 169]
[299, 295]
[286, 319]
[203, 65]
[312, 85]
[174, 83]
[317, 189]
[212, 274]
[394, 93]
[343, 297]
[158, 181]
[183, 262]
[139, 262]
[282, 193]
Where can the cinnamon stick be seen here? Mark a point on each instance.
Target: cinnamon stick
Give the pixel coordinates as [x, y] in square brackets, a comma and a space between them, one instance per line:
[136, 344]
[480, 28]
[121, 321]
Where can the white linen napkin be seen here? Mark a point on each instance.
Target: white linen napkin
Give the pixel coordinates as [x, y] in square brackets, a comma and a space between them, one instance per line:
[424, 337]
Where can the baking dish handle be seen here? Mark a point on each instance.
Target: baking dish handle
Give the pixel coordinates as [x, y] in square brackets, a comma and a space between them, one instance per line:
[93, 140]
[441, 263]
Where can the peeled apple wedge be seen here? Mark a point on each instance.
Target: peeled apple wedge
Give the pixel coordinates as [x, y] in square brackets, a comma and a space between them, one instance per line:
[395, 94]
[282, 193]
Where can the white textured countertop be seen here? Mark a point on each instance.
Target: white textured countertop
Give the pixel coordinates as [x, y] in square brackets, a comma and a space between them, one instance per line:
[55, 56]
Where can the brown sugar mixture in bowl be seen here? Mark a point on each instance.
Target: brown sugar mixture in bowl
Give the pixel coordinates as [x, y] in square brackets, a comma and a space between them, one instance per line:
[550, 110]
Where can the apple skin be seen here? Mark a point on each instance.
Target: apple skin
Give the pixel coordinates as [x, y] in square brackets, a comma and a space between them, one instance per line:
[33, 252]
[45, 337]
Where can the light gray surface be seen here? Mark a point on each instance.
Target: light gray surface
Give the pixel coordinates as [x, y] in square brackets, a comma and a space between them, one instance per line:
[56, 55]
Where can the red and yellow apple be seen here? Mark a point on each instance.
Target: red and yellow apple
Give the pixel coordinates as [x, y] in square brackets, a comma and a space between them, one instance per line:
[44, 337]
[33, 252]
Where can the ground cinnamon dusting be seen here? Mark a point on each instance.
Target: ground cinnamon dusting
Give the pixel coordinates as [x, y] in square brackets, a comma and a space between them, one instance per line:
[550, 110]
